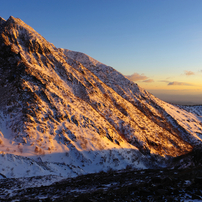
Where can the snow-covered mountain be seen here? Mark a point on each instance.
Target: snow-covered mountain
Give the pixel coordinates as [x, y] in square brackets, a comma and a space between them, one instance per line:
[64, 113]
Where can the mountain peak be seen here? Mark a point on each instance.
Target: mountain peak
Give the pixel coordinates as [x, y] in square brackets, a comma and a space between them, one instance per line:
[56, 101]
[12, 19]
[2, 20]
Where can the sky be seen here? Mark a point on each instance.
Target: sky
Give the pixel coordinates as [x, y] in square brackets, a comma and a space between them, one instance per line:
[155, 43]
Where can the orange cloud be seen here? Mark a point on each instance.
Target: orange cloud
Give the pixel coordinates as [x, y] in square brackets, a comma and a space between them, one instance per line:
[176, 83]
[165, 81]
[189, 73]
[148, 80]
[137, 77]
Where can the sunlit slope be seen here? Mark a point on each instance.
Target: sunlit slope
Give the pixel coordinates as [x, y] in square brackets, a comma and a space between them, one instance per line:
[57, 101]
[171, 118]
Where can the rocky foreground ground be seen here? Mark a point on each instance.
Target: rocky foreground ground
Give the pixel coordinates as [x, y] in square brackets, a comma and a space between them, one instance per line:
[127, 185]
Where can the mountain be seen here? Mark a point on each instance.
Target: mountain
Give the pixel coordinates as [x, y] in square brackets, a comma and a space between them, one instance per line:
[64, 113]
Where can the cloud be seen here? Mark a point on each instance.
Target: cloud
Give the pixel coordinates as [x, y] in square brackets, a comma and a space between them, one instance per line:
[176, 83]
[149, 81]
[165, 81]
[189, 73]
[137, 77]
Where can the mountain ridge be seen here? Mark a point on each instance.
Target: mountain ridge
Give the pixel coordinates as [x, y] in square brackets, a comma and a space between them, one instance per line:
[57, 101]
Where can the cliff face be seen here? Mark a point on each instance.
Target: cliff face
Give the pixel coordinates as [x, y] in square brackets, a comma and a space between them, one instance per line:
[61, 101]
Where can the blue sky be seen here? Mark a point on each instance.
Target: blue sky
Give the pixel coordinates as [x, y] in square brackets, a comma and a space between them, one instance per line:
[157, 43]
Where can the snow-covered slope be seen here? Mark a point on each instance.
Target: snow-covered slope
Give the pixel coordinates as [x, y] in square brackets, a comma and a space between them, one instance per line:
[77, 114]
[195, 109]
[163, 114]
